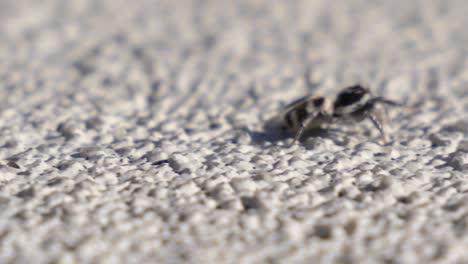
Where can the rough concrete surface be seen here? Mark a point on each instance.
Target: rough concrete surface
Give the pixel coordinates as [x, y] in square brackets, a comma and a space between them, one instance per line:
[132, 132]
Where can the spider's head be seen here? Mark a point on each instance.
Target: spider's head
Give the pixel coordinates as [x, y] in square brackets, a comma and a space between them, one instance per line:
[351, 99]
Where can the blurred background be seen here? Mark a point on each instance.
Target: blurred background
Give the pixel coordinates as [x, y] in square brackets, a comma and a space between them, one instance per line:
[120, 56]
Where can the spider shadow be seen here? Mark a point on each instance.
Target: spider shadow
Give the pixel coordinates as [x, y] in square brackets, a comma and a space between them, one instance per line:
[275, 134]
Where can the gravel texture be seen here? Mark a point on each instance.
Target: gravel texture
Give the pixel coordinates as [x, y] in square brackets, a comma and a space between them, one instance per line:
[132, 132]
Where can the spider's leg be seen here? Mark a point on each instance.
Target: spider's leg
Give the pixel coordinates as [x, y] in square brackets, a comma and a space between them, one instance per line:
[387, 102]
[377, 122]
[304, 124]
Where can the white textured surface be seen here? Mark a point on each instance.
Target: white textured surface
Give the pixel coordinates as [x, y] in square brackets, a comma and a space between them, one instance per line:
[133, 132]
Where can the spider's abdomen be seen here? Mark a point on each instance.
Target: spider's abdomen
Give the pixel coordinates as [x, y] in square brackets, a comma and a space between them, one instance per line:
[315, 108]
[295, 116]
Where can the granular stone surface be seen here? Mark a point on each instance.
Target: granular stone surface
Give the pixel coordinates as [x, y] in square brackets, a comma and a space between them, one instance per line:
[132, 132]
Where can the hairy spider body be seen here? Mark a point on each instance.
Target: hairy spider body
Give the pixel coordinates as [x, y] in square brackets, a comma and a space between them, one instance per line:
[306, 114]
[355, 103]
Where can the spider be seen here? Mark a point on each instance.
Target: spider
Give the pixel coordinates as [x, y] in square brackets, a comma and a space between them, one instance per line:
[354, 103]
